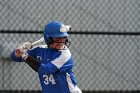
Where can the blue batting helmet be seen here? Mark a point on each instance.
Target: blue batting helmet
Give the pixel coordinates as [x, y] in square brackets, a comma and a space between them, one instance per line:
[55, 29]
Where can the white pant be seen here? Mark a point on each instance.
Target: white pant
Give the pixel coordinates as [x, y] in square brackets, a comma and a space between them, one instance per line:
[76, 90]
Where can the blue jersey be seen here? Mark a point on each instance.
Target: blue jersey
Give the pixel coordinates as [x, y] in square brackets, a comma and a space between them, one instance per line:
[55, 72]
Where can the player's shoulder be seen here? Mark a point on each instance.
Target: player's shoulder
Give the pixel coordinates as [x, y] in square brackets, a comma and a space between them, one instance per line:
[65, 52]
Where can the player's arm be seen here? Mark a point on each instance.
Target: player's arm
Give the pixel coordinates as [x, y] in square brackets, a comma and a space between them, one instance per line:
[37, 66]
[48, 68]
[60, 64]
[32, 62]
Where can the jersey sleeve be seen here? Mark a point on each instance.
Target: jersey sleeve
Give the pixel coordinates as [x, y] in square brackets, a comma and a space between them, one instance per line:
[14, 58]
[62, 63]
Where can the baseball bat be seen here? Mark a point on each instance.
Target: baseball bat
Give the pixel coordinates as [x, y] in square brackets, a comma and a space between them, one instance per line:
[38, 41]
[33, 43]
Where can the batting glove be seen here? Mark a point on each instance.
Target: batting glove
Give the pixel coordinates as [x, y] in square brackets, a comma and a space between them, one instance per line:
[23, 48]
[26, 46]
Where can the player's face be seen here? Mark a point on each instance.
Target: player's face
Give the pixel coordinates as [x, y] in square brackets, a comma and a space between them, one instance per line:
[58, 43]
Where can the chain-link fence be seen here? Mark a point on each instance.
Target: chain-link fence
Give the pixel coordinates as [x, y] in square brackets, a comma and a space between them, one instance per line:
[102, 62]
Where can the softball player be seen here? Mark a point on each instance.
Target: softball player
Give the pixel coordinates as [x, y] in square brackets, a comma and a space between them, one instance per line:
[53, 62]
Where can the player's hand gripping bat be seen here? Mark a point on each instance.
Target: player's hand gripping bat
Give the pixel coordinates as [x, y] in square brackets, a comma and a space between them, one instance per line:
[32, 44]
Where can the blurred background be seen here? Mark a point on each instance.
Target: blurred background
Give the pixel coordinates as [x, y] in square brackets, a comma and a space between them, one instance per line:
[105, 42]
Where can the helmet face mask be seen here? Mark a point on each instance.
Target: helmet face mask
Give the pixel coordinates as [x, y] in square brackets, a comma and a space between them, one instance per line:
[58, 43]
[55, 29]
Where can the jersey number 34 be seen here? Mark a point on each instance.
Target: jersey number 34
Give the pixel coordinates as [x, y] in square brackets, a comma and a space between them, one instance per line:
[49, 79]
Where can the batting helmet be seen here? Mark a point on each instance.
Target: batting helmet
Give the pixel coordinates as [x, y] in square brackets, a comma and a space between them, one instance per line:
[55, 29]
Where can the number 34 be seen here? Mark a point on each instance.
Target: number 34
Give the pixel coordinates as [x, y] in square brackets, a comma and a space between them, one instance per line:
[49, 79]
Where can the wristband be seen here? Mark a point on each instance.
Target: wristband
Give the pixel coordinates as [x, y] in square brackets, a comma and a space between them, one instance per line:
[24, 55]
